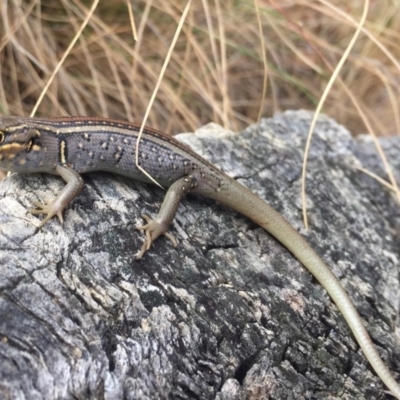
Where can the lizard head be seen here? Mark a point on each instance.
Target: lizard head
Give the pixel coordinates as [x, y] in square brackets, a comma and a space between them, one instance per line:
[17, 140]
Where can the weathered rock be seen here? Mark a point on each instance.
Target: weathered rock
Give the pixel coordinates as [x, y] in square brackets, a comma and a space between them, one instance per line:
[229, 313]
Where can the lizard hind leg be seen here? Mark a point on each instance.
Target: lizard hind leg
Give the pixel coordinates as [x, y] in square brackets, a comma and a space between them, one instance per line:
[158, 226]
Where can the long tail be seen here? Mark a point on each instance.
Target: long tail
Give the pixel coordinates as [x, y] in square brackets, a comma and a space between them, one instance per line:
[239, 198]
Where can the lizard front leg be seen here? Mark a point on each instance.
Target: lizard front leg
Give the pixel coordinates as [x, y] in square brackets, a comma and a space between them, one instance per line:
[159, 225]
[73, 187]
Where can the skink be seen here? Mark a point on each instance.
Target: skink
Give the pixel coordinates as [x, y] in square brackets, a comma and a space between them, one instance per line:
[71, 146]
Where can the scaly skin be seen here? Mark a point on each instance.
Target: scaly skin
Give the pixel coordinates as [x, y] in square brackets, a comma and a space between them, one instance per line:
[74, 145]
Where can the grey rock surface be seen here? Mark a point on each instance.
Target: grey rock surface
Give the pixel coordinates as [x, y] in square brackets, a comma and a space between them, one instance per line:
[229, 313]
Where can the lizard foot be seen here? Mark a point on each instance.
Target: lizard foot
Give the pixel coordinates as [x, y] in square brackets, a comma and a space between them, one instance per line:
[50, 209]
[153, 229]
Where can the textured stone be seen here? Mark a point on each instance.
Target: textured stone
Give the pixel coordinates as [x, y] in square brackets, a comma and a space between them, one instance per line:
[229, 313]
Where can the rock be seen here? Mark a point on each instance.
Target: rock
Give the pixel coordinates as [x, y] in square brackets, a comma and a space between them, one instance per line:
[229, 313]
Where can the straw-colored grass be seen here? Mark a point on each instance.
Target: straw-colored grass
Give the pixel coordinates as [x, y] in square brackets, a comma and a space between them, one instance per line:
[216, 72]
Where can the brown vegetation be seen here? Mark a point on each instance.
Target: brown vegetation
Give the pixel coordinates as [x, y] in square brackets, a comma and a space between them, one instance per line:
[216, 72]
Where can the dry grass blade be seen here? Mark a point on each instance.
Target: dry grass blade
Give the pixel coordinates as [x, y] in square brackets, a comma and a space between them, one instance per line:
[132, 20]
[321, 103]
[377, 178]
[65, 55]
[264, 58]
[162, 72]
[226, 121]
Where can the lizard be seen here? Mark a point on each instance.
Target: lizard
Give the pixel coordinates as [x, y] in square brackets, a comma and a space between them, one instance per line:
[71, 146]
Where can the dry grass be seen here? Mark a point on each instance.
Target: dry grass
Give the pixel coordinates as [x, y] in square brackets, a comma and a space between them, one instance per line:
[216, 72]
[218, 68]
